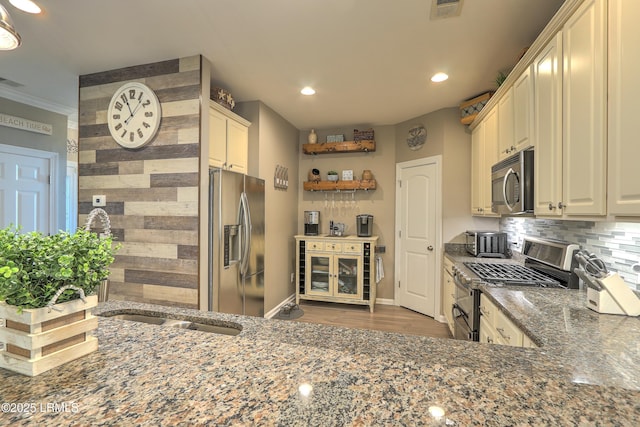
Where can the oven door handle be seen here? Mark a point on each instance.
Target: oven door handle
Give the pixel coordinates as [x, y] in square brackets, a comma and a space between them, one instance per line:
[462, 314]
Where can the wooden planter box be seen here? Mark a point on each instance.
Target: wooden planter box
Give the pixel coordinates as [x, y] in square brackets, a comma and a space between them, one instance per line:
[40, 339]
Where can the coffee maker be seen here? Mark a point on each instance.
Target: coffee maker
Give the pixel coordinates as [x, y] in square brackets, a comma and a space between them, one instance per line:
[364, 225]
[311, 223]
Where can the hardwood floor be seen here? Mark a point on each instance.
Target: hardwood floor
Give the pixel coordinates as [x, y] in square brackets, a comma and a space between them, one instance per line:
[386, 318]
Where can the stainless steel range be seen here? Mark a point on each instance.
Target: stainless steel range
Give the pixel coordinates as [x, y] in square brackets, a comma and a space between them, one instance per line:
[548, 264]
[511, 274]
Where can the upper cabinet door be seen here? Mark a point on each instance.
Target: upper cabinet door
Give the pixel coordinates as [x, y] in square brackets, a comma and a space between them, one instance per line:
[506, 142]
[584, 113]
[547, 128]
[523, 110]
[624, 93]
[217, 139]
[490, 158]
[477, 164]
[237, 146]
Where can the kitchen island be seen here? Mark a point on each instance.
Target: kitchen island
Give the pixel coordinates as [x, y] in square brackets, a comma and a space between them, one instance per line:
[285, 373]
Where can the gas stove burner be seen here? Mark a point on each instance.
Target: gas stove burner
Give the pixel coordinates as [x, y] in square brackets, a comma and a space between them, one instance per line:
[511, 274]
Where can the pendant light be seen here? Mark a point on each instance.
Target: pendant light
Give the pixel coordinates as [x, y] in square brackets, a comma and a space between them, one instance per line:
[9, 37]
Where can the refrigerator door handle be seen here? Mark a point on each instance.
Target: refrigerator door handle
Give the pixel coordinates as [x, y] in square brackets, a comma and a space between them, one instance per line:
[246, 233]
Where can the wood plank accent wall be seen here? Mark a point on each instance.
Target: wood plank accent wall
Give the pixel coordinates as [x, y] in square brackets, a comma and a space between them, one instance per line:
[152, 192]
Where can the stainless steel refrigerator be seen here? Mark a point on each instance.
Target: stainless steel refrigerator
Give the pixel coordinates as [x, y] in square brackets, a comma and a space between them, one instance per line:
[236, 243]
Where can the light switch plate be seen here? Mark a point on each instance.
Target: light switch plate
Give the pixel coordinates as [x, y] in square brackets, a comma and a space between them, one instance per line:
[99, 201]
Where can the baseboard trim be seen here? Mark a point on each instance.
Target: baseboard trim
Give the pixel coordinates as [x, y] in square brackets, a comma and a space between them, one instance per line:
[441, 319]
[385, 301]
[277, 308]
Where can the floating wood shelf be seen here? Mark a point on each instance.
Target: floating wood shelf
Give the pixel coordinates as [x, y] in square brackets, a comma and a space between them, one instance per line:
[339, 147]
[368, 184]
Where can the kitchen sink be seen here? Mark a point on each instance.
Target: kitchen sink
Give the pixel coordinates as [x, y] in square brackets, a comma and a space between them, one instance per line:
[140, 318]
[177, 323]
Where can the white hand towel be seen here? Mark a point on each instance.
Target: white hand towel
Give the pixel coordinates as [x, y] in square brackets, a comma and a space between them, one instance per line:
[379, 269]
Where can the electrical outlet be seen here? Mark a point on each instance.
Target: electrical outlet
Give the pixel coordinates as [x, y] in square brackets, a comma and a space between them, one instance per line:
[293, 277]
[99, 201]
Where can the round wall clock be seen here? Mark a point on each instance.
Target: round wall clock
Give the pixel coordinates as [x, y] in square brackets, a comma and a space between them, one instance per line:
[134, 115]
[416, 137]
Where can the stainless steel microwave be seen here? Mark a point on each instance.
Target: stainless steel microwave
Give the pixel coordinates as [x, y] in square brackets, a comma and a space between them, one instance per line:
[512, 184]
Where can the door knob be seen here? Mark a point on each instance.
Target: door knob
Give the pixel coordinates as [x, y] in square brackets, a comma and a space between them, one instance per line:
[430, 248]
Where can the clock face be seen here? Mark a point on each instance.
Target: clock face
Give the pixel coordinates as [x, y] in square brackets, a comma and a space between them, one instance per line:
[133, 115]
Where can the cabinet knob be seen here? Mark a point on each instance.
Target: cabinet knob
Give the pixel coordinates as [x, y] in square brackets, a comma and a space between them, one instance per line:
[230, 166]
[429, 248]
[561, 205]
[551, 207]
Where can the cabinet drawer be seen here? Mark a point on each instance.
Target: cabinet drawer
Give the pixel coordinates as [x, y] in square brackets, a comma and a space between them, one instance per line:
[487, 310]
[487, 333]
[448, 265]
[315, 246]
[507, 331]
[352, 248]
[333, 247]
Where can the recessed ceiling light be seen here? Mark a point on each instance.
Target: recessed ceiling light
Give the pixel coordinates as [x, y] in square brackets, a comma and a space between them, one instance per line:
[308, 90]
[26, 6]
[439, 77]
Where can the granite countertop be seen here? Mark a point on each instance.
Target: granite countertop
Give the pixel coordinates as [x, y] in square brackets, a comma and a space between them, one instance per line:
[597, 349]
[145, 374]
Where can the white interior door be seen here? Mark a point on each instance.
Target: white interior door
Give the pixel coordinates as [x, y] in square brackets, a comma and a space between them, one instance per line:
[25, 193]
[418, 235]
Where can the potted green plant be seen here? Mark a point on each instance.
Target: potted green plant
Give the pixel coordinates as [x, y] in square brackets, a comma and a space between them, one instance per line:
[332, 176]
[47, 287]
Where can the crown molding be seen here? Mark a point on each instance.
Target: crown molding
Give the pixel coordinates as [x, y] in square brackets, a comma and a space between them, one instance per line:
[34, 101]
[549, 32]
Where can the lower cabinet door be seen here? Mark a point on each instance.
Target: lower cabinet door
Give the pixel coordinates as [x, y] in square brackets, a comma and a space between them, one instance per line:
[348, 275]
[507, 332]
[319, 281]
[487, 333]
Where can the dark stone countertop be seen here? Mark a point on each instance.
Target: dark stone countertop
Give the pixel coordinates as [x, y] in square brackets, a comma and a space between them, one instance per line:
[156, 375]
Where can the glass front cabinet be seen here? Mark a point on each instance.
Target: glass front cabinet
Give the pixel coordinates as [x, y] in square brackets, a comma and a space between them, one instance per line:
[336, 269]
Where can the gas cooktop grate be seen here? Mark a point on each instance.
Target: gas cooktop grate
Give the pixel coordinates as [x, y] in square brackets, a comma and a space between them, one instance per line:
[511, 274]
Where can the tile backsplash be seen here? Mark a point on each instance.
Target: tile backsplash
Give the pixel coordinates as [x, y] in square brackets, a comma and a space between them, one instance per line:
[616, 243]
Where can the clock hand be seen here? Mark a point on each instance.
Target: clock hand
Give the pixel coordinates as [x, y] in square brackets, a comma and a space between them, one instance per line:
[133, 113]
[135, 110]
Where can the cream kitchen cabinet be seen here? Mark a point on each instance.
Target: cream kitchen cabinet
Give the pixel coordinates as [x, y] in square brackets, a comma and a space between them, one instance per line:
[515, 117]
[523, 108]
[336, 269]
[228, 139]
[584, 142]
[547, 128]
[497, 328]
[506, 141]
[487, 333]
[484, 154]
[448, 292]
[624, 93]
[571, 143]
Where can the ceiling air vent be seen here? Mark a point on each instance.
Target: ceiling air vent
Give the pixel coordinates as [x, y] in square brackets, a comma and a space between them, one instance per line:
[441, 9]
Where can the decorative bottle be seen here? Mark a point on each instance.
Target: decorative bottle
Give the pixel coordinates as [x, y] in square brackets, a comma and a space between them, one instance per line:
[313, 136]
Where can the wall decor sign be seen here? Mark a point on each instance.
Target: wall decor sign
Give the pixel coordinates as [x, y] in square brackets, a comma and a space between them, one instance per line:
[25, 124]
